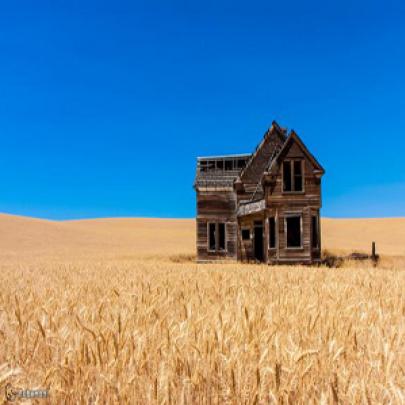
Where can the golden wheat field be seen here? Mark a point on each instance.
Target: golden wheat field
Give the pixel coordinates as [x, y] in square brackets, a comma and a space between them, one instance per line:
[116, 311]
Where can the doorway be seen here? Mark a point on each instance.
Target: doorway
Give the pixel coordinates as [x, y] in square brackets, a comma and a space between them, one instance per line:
[258, 241]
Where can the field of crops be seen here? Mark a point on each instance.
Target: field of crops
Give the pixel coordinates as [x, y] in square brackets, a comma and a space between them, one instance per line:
[120, 327]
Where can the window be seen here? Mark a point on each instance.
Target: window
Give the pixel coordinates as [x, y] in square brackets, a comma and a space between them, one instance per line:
[315, 232]
[272, 233]
[211, 236]
[293, 225]
[292, 175]
[246, 234]
[221, 236]
[241, 163]
[220, 165]
[297, 175]
[228, 164]
[287, 175]
[216, 236]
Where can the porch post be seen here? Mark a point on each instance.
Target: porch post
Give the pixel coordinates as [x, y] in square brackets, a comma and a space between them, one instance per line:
[265, 237]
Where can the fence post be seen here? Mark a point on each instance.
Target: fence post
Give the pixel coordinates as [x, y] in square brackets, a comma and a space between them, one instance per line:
[373, 254]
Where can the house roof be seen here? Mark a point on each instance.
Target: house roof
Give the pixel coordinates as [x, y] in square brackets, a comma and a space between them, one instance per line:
[209, 175]
[239, 155]
[293, 137]
[270, 154]
[274, 129]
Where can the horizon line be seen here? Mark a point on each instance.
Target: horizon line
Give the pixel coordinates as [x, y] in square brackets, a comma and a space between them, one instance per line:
[166, 218]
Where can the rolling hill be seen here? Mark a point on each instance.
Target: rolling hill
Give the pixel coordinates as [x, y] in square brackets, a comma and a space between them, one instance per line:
[139, 237]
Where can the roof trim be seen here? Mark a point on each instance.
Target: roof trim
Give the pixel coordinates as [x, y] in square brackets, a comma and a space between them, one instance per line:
[293, 137]
[240, 155]
[275, 128]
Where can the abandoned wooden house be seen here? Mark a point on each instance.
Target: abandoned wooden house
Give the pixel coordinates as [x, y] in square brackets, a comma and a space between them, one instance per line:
[262, 206]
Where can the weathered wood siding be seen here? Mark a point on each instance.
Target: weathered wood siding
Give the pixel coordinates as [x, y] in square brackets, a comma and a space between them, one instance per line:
[216, 207]
[306, 203]
[245, 247]
[222, 196]
[252, 175]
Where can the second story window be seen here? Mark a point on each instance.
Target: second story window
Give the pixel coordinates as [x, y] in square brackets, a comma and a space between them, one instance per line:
[293, 175]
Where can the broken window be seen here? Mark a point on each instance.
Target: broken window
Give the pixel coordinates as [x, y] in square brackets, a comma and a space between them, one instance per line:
[216, 236]
[203, 166]
[315, 232]
[220, 165]
[293, 225]
[211, 236]
[221, 236]
[272, 233]
[297, 175]
[241, 163]
[292, 175]
[246, 234]
[287, 175]
[228, 164]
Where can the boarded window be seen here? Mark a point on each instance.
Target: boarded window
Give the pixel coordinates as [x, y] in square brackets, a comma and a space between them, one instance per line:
[297, 175]
[221, 236]
[245, 234]
[211, 236]
[315, 232]
[272, 232]
[293, 231]
[287, 176]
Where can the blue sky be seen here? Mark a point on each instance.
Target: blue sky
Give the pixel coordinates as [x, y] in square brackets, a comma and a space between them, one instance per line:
[104, 106]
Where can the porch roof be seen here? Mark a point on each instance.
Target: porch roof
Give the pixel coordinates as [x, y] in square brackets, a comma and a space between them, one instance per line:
[251, 207]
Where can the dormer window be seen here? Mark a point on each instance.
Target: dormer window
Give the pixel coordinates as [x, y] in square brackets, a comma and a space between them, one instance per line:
[293, 175]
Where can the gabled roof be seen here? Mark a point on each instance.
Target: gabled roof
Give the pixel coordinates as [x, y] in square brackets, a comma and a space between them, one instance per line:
[274, 130]
[293, 137]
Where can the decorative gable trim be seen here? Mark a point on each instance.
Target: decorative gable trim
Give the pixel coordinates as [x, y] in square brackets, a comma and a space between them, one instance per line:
[293, 137]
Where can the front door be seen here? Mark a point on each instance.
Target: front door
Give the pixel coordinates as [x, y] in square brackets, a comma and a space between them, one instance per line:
[258, 242]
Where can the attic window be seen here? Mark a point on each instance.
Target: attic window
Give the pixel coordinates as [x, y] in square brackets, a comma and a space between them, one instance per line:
[287, 176]
[241, 163]
[298, 175]
[211, 165]
[228, 164]
[293, 176]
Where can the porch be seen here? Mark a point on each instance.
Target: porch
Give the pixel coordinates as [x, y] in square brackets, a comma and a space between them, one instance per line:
[278, 235]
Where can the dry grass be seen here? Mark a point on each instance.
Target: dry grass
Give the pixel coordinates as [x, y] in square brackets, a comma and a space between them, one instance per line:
[98, 320]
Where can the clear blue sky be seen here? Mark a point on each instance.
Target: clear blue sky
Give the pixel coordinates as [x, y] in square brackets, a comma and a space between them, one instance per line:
[104, 106]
